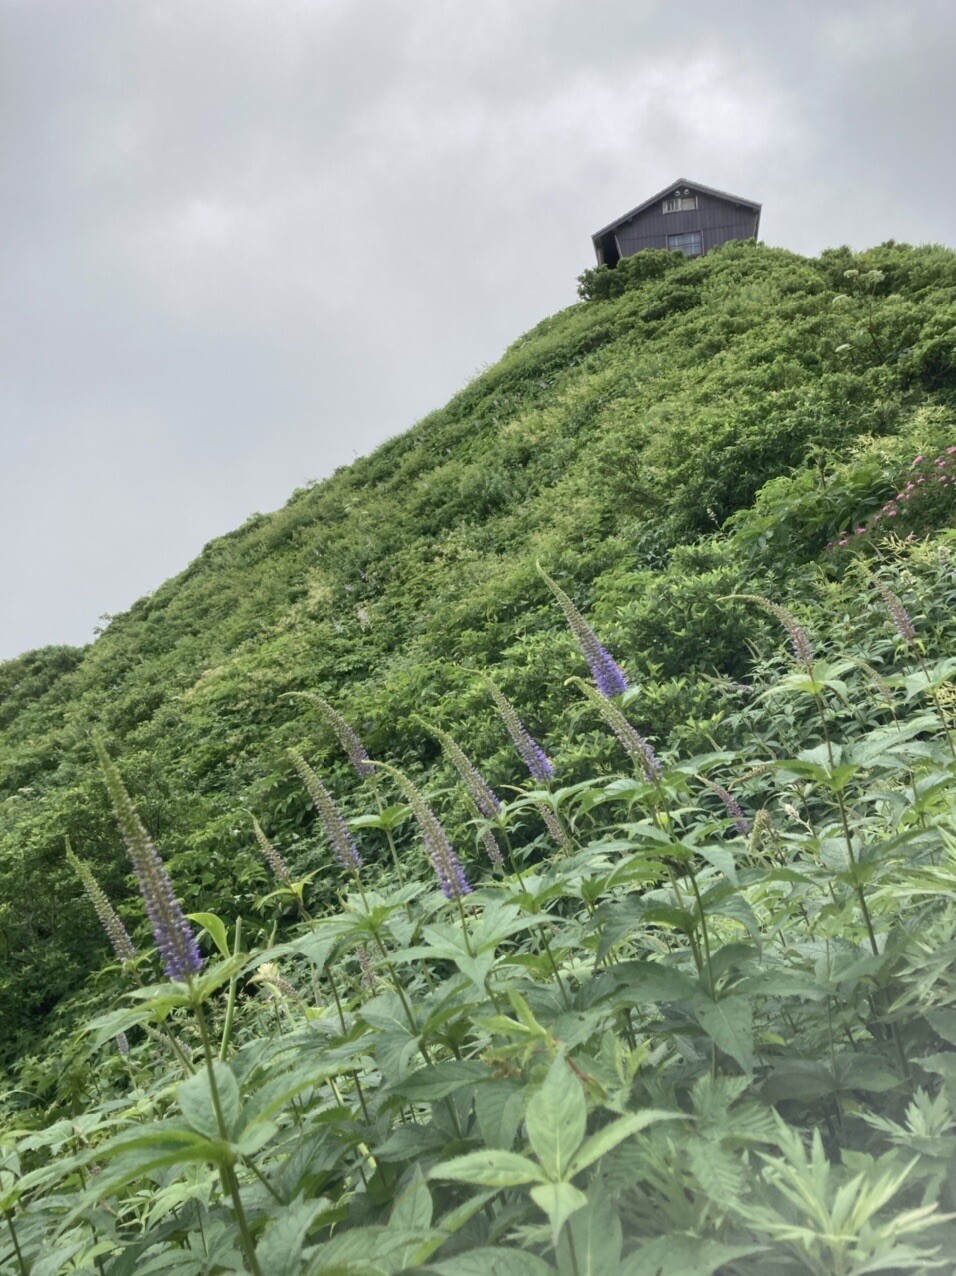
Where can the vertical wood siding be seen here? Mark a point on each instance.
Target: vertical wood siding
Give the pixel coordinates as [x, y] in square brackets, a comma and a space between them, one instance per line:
[718, 220]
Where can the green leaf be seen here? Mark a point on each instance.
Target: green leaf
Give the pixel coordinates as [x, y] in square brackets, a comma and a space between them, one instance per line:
[196, 1104]
[943, 1023]
[597, 1237]
[721, 858]
[688, 1255]
[412, 1210]
[492, 1261]
[389, 818]
[280, 1250]
[105, 1027]
[729, 1024]
[611, 1135]
[139, 1152]
[499, 1107]
[556, 1118]
[215, 928]
[492, 1168]
[641, 982]
[559, 1201]
[438, 1080]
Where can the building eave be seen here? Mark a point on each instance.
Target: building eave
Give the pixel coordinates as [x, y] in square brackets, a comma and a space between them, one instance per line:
[681, 181]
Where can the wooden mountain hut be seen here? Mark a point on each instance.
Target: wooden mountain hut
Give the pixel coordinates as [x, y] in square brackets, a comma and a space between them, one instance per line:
[685, 217]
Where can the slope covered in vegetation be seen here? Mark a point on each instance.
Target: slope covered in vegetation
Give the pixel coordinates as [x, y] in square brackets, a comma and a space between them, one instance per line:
[722, 924]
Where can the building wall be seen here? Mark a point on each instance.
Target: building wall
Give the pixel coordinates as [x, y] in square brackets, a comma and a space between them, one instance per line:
[718, 220]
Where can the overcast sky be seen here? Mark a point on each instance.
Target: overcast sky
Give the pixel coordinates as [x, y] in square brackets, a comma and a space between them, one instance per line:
[244, 241]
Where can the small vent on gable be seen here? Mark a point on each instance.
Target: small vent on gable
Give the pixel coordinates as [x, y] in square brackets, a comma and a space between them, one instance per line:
[680, 204]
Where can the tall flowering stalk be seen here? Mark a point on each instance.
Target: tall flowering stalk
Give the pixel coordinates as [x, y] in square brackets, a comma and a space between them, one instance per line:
[110, 920]
[732, 806]
[903, 623]
[173, 934]
[532, 754]
[492, 849]
[441, 853]
[479, 790]
[635, 746]
[272, 857]
[607, 673]
[554, 826]
[347, 735]
[333, 821]
[800, 644]
[484, 800]
[351, 742]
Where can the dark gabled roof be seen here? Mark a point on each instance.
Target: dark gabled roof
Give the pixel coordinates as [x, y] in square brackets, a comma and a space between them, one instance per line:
[681, 181]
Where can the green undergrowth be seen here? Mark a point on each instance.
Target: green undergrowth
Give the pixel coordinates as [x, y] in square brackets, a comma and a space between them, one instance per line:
[699, 1019]
[703, 1023]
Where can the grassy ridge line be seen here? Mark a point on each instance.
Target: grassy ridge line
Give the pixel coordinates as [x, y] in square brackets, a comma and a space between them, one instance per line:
[605, 440]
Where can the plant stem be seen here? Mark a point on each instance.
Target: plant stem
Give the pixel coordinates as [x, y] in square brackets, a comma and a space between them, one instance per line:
[393, 849]
[231, 1000]
[228, 1169]
[8, 1215]
[703, 931]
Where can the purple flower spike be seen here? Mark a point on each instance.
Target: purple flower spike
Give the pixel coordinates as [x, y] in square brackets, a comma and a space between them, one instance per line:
[637, 748]
[734, 809]
[800, 644]
[481, 793]
[553, 825]
[447, 865]
[174, 936]
[272, 857]
[441, 853]
[348, 737]
[490, 843]
[110, 920]
[898, 614]
[608, 675]
[532, 754]
[332, 818]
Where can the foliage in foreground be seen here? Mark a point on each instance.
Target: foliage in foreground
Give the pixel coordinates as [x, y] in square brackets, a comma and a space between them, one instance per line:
[702, 1025]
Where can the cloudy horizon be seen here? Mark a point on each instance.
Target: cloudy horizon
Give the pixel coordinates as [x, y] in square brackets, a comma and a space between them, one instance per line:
[244, 243]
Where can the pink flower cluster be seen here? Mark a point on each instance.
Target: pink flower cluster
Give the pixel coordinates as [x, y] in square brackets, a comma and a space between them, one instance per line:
[933, 475]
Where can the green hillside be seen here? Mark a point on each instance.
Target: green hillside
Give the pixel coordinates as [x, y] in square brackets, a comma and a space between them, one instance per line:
[693, 436]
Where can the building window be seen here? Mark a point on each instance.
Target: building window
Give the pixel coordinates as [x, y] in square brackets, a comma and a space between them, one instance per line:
[689, 244]
[680, 204]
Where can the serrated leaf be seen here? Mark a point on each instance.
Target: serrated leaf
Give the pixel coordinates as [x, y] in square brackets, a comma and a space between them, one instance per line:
[729, 1024]
[139, 1152]
[412, 1210]
[499, 1107]
[492, 1168]
[943, 1023]
[491, 1261]
[280, 1250]
[438, 1080]
[718, 1172]
[597, 1237]
[688, 1255]
[721, 858]
[559, 1201]
[641, 982]
[556, 1118]
[616, 1132]
[196, 1103]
